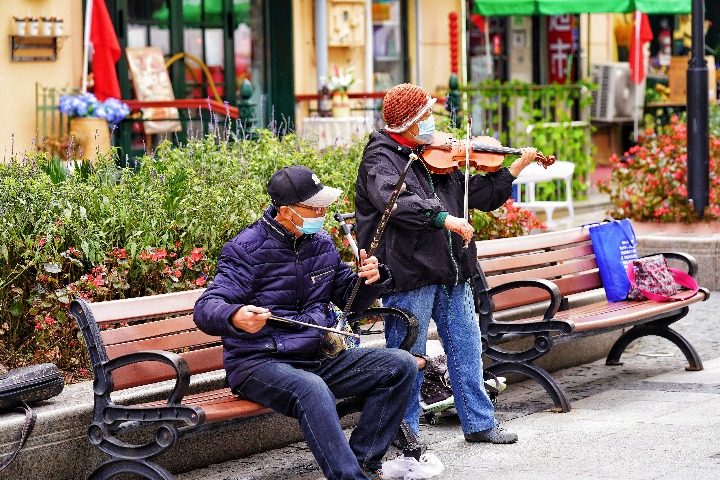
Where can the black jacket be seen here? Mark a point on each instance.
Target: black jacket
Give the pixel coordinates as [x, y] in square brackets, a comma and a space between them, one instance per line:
[418, 251]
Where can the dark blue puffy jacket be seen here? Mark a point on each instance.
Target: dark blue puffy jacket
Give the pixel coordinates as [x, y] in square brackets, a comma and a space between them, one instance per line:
[267, 266]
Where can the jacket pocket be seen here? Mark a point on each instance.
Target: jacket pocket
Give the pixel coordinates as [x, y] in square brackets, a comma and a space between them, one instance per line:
[402, 243]
[322, 276]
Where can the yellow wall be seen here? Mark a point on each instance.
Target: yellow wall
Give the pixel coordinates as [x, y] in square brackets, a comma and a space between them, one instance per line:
[17, 79]
[434, 42]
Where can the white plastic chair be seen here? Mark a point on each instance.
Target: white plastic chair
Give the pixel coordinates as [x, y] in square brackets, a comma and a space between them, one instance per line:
[534, 174]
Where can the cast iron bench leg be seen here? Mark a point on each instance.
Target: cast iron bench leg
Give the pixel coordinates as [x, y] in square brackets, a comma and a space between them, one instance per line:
[694, 361]
[144, 468]
[540, 376]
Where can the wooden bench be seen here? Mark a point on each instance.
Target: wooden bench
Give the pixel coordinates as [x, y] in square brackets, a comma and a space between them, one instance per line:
[142, 341]
[549, 267]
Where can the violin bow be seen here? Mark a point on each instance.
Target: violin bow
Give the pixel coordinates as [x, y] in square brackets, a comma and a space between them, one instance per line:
[337, 331]
[466, 209]
[381, 227]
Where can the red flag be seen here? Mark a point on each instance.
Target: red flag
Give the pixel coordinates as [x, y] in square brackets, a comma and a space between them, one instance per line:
[640, 36]
[478, 21]
[106, 52]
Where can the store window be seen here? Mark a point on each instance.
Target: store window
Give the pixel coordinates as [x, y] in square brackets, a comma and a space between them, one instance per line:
[389, 43]
[203, 38]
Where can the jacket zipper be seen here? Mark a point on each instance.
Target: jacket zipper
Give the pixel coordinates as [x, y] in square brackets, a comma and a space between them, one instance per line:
[319, 275]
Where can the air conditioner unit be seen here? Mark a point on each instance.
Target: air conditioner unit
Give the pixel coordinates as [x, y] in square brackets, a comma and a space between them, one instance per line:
[615, 96]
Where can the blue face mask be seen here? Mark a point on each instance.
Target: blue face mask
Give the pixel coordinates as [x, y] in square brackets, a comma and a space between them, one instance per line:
[426, 129]
[310, 225]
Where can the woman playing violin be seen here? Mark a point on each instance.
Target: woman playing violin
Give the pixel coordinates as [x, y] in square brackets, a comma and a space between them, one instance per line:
[427, 244]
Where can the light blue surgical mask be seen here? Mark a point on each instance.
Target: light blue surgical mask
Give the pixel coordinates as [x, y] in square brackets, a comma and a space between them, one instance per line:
[426, 129]
[310, 225]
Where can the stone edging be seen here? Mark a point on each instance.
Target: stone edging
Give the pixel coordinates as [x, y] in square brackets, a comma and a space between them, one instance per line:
[704, 247]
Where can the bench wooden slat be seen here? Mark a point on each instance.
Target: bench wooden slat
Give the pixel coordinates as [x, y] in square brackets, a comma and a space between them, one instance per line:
[579, 283]
[200, 361]
[189, 339]
[589, 280]
[492, 265]
[603, 314]
[618, 313]
[516, 245]
[548, 272]
[139, 308]
[148, 330]
[220, 405]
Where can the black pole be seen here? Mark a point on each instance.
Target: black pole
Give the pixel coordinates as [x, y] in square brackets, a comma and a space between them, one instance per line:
[697, 114]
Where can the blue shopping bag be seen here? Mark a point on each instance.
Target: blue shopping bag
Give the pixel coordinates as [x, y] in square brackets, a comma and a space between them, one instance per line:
[615, 244]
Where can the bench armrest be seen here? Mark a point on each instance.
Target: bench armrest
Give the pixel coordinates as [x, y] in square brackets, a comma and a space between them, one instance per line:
[547, 285]
[686, 258]
[182, 370]
[411, 322]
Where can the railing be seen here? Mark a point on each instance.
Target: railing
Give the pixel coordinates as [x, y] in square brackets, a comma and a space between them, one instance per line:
[504, 110]
[362, 104]
[50, 124]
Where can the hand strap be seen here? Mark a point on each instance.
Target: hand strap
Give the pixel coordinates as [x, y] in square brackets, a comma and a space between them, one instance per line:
[680, 277]
[30, 418]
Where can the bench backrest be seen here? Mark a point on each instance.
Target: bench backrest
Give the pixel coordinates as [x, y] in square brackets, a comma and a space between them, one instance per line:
[158, 322]
[565, 257]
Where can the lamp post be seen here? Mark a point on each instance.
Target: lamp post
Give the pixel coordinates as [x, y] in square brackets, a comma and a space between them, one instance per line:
[697, 114]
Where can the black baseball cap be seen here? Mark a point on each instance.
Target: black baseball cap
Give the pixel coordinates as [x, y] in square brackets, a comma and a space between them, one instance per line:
[298, 184]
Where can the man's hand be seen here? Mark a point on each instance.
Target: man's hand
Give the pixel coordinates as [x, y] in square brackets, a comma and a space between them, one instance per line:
[368, 268]
[250, 318]
[461, 227]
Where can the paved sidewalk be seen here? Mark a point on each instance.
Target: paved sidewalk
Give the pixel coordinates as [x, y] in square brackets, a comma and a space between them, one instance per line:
[647, 419]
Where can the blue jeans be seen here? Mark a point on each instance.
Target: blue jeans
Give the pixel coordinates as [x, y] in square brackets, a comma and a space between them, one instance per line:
[382, 377]
[453, 310]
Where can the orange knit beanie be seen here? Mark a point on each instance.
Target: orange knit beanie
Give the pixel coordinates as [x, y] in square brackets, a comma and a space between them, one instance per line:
[403, 105]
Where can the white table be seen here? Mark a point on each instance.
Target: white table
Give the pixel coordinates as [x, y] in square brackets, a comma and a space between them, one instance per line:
[334, 131]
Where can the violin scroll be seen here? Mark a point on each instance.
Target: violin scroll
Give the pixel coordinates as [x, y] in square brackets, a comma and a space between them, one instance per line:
[543, 160]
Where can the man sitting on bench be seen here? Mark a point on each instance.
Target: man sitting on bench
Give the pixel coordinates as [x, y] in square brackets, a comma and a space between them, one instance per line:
[285, 265]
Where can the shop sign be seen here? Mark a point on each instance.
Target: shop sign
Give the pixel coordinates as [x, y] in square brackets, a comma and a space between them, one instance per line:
[559, 47]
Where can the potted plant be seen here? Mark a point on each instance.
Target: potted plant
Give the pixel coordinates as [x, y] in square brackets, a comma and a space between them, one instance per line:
[339, 83]
[90, 121]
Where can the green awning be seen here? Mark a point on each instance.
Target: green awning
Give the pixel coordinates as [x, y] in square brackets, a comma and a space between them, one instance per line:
[561, 7]
[192, 11]
[501, 8]
[664, 6]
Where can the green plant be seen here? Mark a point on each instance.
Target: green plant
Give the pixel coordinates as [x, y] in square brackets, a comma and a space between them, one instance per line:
[509, 110]
[505, 222]
[649, 183]
[102, 233]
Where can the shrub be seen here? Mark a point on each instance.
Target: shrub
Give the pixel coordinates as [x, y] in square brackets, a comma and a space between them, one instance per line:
[649, 183]
[101, 233]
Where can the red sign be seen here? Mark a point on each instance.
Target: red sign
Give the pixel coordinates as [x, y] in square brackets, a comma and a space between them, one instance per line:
[560, 46]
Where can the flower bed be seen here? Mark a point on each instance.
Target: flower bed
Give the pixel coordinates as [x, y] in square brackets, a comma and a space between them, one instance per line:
[649, 183]
[103, 233]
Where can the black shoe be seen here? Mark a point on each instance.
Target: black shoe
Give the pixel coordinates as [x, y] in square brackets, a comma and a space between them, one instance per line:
[492, 435]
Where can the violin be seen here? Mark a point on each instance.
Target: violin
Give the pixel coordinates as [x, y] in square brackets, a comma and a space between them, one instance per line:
[446, 154]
